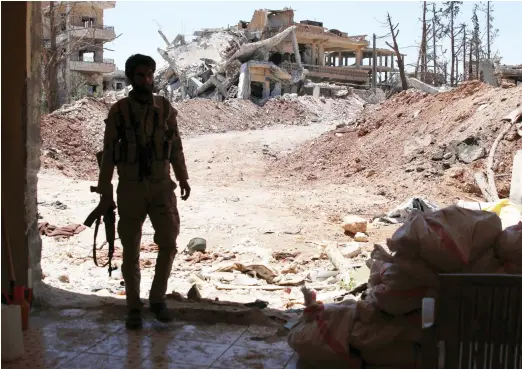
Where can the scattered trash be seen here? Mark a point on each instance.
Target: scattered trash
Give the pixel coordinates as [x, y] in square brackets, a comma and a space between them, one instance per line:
[401, 213]
[49, 230]
[194, 294]
[258, 304]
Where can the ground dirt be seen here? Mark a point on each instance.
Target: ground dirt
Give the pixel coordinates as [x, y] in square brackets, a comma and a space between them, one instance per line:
[234, 205]
[73, 135]
[261, 187]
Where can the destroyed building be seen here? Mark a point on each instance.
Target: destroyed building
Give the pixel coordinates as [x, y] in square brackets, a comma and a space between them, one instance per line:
[79, 33]
[114, 81]
[269, 56]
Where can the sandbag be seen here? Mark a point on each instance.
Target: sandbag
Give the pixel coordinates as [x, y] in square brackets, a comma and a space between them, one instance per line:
[447, 239]
[397, 302]
[401, 275]
[397, 286]
[398, 355]
[487, 263]
[372, 329]
[509, 245]
[326, 336]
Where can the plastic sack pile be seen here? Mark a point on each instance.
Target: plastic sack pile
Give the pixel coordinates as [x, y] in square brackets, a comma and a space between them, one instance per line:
[384, 327]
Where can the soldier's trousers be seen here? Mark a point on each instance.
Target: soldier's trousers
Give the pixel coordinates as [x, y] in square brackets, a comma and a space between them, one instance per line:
[135, 201]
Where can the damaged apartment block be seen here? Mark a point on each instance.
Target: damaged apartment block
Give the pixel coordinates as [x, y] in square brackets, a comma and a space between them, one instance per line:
[269, 56]
[74, 37]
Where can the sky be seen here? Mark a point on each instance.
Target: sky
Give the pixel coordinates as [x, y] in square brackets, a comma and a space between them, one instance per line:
[137, 22]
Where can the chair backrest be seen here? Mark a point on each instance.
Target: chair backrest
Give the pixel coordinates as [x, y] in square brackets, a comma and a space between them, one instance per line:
[479, 321]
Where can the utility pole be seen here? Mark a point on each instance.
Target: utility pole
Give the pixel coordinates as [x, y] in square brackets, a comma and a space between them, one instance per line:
[374, 64]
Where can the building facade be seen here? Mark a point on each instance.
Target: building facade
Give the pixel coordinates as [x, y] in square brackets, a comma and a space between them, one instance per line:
[80, 35]
[327, 54]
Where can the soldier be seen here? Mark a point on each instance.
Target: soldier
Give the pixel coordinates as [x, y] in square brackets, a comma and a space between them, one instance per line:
[142, 141]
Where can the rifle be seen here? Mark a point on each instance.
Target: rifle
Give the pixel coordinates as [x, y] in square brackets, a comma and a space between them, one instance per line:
[109, 218]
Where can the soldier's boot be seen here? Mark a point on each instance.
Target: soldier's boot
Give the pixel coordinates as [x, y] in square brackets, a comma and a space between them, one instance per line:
[134, 320]
[162, 313]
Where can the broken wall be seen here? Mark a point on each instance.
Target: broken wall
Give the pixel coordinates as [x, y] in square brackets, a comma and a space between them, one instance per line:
[280, 19]
[259, 20]
[21, 75]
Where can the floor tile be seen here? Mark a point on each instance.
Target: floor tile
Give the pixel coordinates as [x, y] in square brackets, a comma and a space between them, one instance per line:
[40, 359]
[162, 364]
[225, 334]
[93, 361]
[64, 339]
[124, 344]
[187, 352]
[263, 338]
[239, 357]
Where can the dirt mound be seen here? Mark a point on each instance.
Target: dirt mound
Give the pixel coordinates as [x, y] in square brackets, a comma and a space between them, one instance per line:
[410, 144]
[72, 135]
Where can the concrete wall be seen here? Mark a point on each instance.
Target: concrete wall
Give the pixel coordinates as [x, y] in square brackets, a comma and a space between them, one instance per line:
[21, 136]
[259, 20]
[280, 19]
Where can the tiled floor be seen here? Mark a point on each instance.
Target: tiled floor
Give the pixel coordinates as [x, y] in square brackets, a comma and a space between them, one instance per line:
[97, 339]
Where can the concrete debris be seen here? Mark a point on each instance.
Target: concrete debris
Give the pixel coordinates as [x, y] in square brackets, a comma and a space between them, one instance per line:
[351, 249]
[354, 224]
[470, 153]
[360, 237]
[196, 244]
[245, 63]
[221, 64]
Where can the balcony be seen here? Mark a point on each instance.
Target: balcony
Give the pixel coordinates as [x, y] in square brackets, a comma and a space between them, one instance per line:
[93, 32]
[341, 74]
[90, 66]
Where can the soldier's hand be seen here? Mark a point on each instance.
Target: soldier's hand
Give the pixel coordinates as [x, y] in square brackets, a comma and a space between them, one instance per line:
[185, 190]
[107, 201]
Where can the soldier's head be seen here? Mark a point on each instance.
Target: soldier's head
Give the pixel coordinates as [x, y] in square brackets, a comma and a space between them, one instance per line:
[139, 70]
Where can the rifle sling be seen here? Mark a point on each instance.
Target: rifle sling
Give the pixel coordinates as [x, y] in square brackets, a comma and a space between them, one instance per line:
[97, 226]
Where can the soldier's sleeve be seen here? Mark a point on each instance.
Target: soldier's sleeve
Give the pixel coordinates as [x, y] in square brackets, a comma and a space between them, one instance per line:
[177, 157]
[107, 164]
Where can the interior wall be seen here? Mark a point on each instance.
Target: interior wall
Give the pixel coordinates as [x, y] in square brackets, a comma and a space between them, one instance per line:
[21, 136]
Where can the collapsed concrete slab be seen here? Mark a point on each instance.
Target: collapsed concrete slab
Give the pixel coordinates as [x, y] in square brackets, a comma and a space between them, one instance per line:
[265, 74]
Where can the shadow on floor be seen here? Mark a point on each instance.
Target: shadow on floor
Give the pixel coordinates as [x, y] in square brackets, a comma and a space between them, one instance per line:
[69, 330]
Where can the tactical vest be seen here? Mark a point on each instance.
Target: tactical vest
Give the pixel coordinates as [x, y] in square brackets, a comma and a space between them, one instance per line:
[134, 161]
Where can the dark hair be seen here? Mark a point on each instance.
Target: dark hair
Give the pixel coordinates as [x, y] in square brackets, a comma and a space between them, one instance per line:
[136, 60]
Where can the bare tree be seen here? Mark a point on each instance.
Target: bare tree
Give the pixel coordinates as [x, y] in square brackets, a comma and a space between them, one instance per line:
[450, 12]
[491, 32]
[400, 61]
[475, 39]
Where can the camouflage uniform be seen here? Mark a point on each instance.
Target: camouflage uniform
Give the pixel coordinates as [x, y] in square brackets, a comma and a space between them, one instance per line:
[142, 141]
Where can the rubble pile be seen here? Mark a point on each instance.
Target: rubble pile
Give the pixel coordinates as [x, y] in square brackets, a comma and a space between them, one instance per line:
[212, 65]
[415, 139]
[73, 134]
